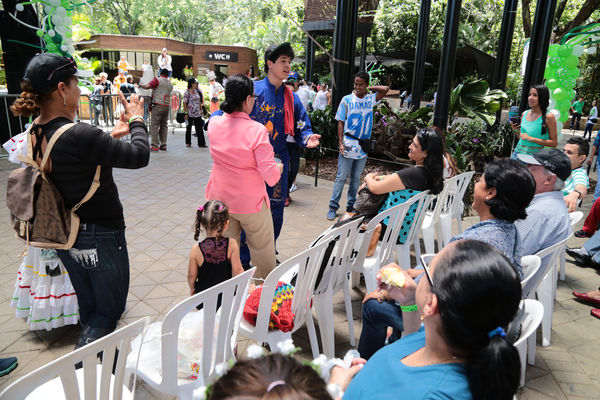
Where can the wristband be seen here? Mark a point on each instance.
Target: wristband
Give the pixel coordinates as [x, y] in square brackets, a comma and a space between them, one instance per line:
[579, 194]
[136, 117]
[409, 308]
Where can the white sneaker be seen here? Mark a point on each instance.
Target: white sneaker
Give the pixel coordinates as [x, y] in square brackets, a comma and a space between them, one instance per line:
[293, 188]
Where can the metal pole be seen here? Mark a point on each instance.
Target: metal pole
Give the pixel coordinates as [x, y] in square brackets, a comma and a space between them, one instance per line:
[538, 48]
[344, 42]
[102, 58]
[420, 50]
[318, 150]
[504, 45]
[310, 59]
[447, 60]
[363, 52]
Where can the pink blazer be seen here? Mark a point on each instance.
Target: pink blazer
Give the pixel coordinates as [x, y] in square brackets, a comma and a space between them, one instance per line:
[243, 161]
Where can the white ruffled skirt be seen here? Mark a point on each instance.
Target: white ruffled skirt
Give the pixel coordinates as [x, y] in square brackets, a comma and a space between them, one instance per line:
[46, 301]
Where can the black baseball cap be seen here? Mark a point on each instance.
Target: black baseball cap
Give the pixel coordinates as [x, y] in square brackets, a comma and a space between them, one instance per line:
[554, 160]
[45, 71]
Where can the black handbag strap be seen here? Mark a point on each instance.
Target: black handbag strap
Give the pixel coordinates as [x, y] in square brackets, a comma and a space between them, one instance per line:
[351, 136]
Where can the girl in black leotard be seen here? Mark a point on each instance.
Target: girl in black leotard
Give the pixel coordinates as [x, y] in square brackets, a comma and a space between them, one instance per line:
[216, 258]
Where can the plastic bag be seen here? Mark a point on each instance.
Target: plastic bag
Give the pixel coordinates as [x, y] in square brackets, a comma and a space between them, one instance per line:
[189, 349]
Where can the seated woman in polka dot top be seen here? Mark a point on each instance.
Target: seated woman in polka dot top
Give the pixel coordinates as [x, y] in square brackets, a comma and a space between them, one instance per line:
[426, 150]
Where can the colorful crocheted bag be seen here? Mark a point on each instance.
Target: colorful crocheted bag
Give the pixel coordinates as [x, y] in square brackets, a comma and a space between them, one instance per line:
[282, 317]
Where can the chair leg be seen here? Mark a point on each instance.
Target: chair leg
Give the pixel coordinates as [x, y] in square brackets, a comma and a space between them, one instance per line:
[417, 245]
[355, 279]
[370, 280]
[312, 334]
[349, 315]
[445, 224]
[531, 349]
[403, 253]
[323, 307]
[275, 337]
[562, 266]
[546, 297]
[522, 349]
[428, 239]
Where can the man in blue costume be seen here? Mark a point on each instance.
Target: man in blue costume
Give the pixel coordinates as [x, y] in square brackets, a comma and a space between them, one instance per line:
[282, 113]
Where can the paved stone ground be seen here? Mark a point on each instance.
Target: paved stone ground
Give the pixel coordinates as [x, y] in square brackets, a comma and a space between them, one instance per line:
[159, 204]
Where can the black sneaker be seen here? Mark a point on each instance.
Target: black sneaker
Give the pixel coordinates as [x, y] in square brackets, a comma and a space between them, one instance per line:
[582, 234]
[579, 255]
[7, 365]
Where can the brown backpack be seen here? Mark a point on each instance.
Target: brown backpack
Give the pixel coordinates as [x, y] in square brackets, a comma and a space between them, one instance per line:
[37, 210]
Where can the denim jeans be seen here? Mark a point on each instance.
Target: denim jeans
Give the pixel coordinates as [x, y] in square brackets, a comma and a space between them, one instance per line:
[597, 189]
[588, 129]
[98, 266]
[376, 319]
[347, 166]
[592, 246]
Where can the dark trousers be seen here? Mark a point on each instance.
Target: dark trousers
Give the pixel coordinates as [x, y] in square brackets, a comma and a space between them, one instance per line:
[588, 129]
[198, 125]
[98, 266]
[376, 319]
[107, 110]
[294, 151]
[576, 116]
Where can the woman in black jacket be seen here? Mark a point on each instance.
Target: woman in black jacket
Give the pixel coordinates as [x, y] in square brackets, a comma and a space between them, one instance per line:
[98, 263]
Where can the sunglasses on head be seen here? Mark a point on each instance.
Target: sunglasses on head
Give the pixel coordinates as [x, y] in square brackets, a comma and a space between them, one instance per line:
[71, 64]
[425, 261]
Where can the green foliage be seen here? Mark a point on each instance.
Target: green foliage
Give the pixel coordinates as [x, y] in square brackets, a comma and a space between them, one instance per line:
[473, 98]
[324, 123]
[2, 77]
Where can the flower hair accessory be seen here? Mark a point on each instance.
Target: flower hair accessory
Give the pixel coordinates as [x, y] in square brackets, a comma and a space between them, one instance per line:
[497, 331]
[201, 208]
[221, 208]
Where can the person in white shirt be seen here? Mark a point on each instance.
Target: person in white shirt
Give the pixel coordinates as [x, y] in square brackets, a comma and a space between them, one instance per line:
[322, 98]
[164, 61]
[591, 121]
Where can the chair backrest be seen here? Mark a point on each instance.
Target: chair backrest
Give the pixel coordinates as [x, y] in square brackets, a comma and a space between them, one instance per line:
[388, 240]
[534, 311]
[422, 201]
[336, 271]
[64, 367]
[549, 257]
[217, 336]
[307, 263]
[575, 217]
[441, 202]
[461, 183]
[530, 265]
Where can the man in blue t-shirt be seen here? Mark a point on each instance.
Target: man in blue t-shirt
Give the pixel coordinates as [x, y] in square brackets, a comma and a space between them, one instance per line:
[355, 121]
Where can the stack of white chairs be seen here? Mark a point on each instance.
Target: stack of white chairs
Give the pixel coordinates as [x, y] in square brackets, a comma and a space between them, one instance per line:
[432, 218]
[419, 202]
[574, 218]
[534, 311]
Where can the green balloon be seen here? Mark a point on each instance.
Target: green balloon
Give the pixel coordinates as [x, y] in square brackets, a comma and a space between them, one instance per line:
[562, 105]
[570, 83]
[571, 62]
[564, 117]
[553, 49]
[552, 83]
[559, 94]
[562, 73]
[574, 73]
[554, 62]
[39, 32]
[565, 50]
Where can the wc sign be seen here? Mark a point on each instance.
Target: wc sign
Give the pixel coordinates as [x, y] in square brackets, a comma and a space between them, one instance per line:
[221, 56]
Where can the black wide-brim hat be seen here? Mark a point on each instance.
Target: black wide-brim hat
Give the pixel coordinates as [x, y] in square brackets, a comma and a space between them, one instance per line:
[45, 71]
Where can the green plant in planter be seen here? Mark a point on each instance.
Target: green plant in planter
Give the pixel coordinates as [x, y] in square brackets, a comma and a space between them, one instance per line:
[474, 99]
[324, 123]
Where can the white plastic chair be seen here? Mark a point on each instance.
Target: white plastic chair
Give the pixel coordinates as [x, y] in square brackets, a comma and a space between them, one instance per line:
[574, 217]
[369, 266]
[432, 218]
[542, 286]
[456, 207]
[307, 263]
[60, 380]
[422, 201]
[530, 265]
[335, 277]
[217, 336]
[534, 311]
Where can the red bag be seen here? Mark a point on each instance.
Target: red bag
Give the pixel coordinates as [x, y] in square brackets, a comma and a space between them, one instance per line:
[282, 317]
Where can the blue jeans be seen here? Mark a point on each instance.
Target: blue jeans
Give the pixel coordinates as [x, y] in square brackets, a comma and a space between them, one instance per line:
[588, 129]
[376, 319]
[597, 189]
[347, 166]
[592, 246]
[98, 266]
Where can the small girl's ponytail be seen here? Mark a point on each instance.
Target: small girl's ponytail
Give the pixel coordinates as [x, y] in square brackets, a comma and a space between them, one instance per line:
[212, 216]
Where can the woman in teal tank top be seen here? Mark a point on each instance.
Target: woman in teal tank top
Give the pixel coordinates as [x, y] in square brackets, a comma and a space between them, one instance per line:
[538, 126]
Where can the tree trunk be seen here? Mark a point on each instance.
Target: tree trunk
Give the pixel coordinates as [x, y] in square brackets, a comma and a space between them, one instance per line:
[559, 11]
[584, 13]
[526, 17]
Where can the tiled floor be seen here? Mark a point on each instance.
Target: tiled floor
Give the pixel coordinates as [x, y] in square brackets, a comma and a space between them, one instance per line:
[160, 201]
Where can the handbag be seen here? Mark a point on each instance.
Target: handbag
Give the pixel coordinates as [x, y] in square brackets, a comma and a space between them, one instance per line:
[368, 145]
[368, 203]
[180, 117]
[214, 99]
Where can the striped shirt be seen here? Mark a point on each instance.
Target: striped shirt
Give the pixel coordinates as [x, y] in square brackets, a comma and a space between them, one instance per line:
[578, 177]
